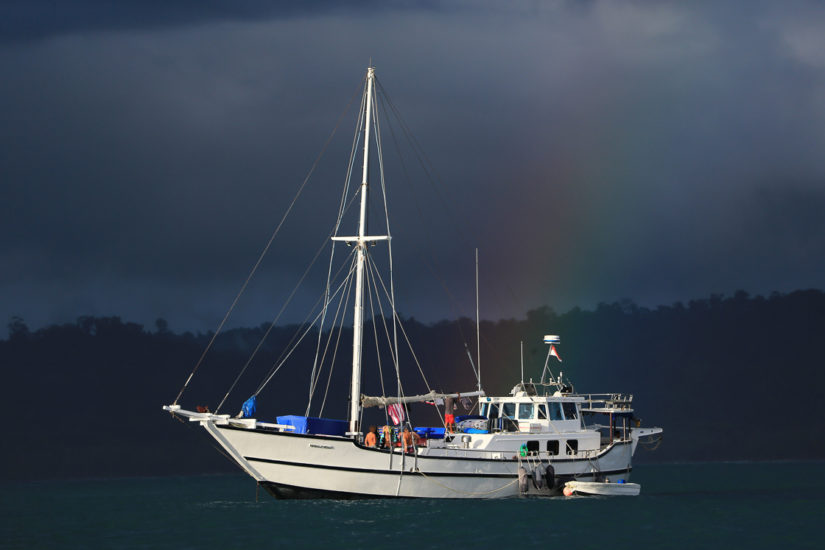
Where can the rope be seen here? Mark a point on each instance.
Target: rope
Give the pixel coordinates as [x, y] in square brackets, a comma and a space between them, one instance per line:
[374, 275]
[426, 259]
[389, 251]
[653, 444]
[471, 493]
[393, 351]
[397, 320]
[338, 339]
[292, 341]
[344, 299]
[435, 182]
[373, 290]
[277, 365]
[371, 282]
[342, 209]
[432, 176]
[272, 324]
[266, 248]
[347, 283]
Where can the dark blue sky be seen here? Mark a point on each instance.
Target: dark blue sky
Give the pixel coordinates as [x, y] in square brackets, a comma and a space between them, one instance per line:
[592, 151]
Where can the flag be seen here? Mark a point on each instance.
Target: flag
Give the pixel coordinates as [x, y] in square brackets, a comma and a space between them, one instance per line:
[396, 411]
[555, 353]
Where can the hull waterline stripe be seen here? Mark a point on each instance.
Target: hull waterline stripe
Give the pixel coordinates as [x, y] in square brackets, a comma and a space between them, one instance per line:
[290, 492]
[408, 472]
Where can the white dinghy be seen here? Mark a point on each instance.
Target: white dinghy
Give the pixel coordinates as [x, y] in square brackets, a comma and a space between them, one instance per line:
[603, 488]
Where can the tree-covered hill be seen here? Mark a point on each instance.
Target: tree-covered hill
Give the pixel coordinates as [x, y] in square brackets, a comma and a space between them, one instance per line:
[729, 378]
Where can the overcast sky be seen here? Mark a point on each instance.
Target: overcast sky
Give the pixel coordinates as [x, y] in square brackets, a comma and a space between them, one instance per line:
[592, 151]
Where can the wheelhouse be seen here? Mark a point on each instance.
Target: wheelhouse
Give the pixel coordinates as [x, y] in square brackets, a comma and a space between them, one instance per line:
[526, 411]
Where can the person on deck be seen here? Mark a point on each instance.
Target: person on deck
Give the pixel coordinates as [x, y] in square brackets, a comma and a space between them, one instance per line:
[408, 439]
[449, 413]
[371, 439]
[387, 432]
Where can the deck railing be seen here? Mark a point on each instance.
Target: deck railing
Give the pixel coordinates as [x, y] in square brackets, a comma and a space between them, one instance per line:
[605, 402]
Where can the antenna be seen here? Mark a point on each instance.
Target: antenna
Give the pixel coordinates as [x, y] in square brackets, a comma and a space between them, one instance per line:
[549, 339]
[478, 329]
[522, 362]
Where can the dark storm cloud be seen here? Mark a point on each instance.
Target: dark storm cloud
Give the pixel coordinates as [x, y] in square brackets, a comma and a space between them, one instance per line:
[592, 151]
[37, 19]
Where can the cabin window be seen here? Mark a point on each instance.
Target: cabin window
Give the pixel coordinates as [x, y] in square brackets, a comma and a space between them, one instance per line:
[525, 411]
[553, 447]
[508, 410]
[542, 412]
[532, 446]
[572, 446]
[555, 411]
[484, 408]
[493, 410]
[570, 411]
[509, 425]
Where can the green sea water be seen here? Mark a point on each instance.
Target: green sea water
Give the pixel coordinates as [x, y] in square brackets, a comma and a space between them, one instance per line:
[691, 506]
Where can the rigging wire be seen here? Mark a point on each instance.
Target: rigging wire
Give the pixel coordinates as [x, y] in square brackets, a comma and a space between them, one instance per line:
[370, 282]
[277, 366]
[334, 356]
[316, 375]
[372, 270]
[373, 277]
[426, 259]
[341, 211]
[373, 290]
[397, 320]
[266, 248]
[283, 308]
[290, 347]
[344, 300]
[431, 175]
[273, 323]
[427, 165]
[319, 299]
[389, 240]
[339, 311]
[396, 358]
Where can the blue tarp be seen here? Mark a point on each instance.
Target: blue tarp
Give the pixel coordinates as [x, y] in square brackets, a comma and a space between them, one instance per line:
[311, 425]
[475, 431]
[464, 417]
[430, 433]
[249, 407]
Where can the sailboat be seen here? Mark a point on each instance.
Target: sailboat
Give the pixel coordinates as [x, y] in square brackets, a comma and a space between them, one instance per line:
[528, 443]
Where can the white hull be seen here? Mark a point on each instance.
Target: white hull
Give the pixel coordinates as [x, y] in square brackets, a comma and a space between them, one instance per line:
[298, 465]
